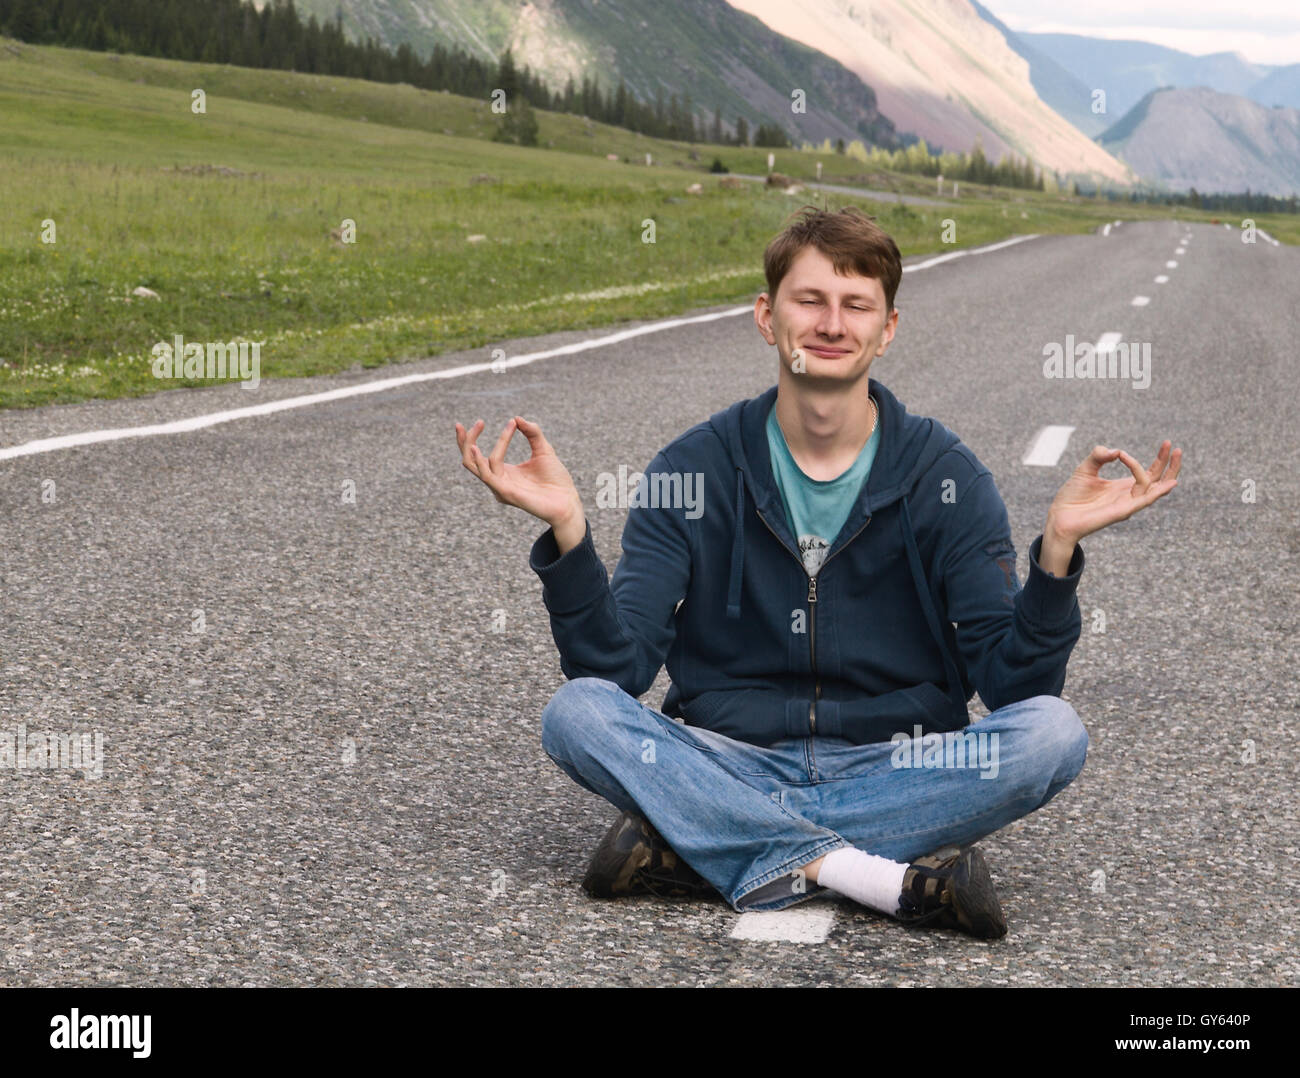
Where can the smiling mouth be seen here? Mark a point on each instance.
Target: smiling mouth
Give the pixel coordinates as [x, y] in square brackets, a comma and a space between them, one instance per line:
[826, 353]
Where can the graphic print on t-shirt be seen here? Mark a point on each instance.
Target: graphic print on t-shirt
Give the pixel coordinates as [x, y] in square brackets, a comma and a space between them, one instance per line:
[813, 548]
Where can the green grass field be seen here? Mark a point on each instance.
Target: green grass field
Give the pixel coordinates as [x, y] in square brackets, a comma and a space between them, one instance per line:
[227, 217]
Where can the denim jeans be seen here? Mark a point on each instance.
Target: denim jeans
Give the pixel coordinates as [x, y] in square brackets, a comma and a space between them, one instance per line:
[747, 817]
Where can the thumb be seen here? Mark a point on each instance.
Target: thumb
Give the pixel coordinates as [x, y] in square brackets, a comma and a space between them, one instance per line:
[1100, 455]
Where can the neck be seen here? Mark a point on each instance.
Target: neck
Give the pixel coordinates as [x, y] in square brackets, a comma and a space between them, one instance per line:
[824, 428]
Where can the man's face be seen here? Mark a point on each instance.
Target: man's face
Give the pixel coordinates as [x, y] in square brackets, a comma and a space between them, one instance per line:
[838, 323]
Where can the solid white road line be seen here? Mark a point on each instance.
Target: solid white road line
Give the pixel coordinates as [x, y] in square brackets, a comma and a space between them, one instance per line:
[806, 923]
[1141, 301]
[1048, 446]
[182, 426]
[967, 251]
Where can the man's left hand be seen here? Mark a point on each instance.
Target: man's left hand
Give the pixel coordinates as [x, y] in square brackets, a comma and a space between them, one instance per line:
[1087, 503]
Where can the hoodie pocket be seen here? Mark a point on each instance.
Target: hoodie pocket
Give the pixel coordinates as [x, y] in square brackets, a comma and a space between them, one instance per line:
[934, 710]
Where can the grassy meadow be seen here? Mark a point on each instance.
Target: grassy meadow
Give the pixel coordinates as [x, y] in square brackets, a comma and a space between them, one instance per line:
[227, 216]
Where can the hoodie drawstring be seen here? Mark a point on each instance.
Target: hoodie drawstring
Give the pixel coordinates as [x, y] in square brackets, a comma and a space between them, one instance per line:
[737, 549]
[927, 606]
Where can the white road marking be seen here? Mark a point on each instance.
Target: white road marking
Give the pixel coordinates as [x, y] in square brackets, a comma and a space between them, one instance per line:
[211, 419]
[1106, 343]
[1048, 446]
[1266, 236]
[806, 923]
[1180, 251]
[1105, 230]
[963, 252]
[1171, 265]
[1141, 301]
[1162, 279]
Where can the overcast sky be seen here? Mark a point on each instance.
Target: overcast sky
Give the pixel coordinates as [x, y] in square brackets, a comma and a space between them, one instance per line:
[1265, 31]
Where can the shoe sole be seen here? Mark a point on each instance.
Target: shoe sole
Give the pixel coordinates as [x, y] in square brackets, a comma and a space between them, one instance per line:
[975, 901]
[611, 869]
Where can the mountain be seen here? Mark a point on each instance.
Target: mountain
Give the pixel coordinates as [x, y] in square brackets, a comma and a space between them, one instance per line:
[1281, 86]
[929, 67]
[1215, 142]
[706, 48]
[943, 72]
[1056, 85]
[1129, 70]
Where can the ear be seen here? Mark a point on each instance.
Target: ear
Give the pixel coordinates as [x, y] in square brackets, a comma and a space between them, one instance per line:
[763, 318]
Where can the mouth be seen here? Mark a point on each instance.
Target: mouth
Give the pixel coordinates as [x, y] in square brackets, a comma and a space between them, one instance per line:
[826, 353]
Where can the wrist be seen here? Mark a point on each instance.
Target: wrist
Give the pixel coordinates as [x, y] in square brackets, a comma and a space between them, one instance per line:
[570, 529]
[1056, 551]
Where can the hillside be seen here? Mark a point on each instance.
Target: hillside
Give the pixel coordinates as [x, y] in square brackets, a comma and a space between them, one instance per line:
[1214, 142]
[935, 67]
[707, 49]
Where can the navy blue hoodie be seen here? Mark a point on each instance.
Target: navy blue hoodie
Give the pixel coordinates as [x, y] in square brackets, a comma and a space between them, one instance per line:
[758, 651]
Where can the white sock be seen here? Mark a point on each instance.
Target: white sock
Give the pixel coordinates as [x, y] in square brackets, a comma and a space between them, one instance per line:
[874, 881]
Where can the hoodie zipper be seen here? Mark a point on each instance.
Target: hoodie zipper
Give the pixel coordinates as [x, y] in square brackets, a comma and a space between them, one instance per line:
[812, 614]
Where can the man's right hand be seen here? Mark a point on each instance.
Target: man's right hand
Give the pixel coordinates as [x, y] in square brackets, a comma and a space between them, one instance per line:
[541, 485]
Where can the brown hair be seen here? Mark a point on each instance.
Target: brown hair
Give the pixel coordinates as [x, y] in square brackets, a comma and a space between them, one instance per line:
[850, 239]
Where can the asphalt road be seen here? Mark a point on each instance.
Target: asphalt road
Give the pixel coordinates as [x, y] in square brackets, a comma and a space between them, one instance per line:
[339, 780]
[864, 192]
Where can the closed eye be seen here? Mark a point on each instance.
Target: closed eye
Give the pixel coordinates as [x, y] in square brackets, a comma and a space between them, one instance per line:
[810, 303]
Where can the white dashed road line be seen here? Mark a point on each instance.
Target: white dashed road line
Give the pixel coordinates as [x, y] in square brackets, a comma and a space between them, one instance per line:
[1162, 279]
[1106, 343]
[1048, 446]
[1171, 265]
[1141, 301]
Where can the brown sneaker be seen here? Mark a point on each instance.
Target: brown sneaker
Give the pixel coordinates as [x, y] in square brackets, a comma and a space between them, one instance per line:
[952, 888]
[634, 859]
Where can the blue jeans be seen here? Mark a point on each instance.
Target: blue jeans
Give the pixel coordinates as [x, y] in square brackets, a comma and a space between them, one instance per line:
[747, 817]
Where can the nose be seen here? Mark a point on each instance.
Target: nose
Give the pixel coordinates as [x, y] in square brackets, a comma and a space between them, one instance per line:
[831, 324]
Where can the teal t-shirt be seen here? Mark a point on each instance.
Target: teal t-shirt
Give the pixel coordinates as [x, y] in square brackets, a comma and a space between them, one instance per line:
[816, 509]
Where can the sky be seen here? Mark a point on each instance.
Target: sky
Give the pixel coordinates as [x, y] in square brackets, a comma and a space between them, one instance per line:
[1264, 31]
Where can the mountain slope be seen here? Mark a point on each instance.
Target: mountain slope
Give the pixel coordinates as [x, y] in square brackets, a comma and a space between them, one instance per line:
[718, 55]
[942, 71]
[1281, 86]
[1056, 85]
[1197, 137]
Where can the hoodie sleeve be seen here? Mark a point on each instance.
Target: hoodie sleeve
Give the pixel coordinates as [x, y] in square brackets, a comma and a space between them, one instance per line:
[620, 632]
[1015, 641]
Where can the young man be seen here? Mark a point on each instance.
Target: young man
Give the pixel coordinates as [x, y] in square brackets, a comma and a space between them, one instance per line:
[805, 599]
